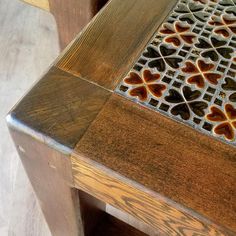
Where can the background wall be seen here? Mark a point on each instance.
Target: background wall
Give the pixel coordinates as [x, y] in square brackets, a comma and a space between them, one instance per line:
[28, 45]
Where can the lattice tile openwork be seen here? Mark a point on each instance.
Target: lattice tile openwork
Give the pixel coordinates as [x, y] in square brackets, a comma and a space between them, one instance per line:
[188, 69]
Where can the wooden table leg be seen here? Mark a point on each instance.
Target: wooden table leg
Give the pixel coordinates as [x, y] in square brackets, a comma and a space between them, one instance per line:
[71, 15]
[50, 175]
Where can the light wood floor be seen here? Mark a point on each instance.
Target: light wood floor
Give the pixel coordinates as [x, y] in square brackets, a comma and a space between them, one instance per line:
[28, 44]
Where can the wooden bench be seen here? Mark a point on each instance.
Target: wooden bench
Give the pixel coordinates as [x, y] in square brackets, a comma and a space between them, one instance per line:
[131, 131]
[71, 16]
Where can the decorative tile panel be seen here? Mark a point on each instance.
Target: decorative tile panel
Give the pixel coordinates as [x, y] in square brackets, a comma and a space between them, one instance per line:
[188, 69]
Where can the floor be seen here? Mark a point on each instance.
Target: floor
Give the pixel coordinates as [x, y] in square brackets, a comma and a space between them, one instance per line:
[28, 45]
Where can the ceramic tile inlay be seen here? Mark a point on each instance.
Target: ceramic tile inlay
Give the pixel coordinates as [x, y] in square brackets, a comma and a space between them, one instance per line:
[188, 70]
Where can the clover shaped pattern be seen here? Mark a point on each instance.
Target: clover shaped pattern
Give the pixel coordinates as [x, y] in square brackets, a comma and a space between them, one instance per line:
[214, 48]
[191, 12]
[226, 121]
[201, 72]
[185, 102]
[177, 33]
[142, 85]
[161, 56]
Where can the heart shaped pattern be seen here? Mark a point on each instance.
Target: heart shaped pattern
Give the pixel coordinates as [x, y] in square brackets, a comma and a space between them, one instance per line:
[214, 48]
[216, 115]
[226, 130]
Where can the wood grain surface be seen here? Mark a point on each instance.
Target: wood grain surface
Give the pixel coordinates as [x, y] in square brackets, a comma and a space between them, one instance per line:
[111, 226]
[50, 175]
[167, 157]
[163, 173]
[43, 4]
[61, 106]
[152, 209]
[107, 48]
[99, 219]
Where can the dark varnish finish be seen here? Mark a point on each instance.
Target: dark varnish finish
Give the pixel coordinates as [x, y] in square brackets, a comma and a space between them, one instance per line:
[61, 106]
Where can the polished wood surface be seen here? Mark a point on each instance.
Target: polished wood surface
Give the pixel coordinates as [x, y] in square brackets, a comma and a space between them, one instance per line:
[113, 40]
[165, 156]
[163, 173]
[61, 106]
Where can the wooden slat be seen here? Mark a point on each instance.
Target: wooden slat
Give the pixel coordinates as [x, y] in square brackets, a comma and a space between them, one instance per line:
[60, 106]
[43, 4]
[94, 214]
[167, 157]
[143, 204]
[105, 51]
[132, 220]
[92, 208]
[110, 226]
